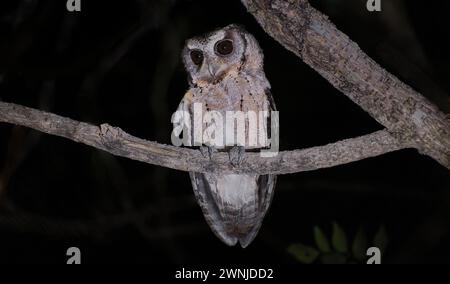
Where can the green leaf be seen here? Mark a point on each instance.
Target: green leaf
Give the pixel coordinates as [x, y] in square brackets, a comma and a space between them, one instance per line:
[304, 254]
[339, 239]
[381, 239]
[321, 240]
[360, 245]
[334, 258]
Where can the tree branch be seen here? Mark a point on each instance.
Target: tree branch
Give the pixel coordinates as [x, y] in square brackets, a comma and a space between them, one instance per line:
[119, 143]
[311, 36]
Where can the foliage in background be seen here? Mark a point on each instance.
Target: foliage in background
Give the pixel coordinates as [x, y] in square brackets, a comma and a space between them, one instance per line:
[337, 249]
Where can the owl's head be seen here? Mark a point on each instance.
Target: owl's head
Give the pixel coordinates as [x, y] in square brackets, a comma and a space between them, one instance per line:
[210, 58]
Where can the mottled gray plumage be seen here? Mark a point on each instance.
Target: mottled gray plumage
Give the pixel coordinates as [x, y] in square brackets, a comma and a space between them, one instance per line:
[226, 73]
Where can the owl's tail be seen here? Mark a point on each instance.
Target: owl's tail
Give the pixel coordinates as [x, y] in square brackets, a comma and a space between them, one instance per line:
[234, 205]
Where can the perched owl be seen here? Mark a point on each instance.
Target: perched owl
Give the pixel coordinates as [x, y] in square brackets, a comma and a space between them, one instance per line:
[226, 75]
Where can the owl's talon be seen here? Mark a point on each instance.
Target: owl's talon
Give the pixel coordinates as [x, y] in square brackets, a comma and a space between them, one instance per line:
[207, 151]
[236, 155]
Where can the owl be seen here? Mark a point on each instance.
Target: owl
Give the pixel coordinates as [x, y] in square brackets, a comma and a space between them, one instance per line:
[225, 71]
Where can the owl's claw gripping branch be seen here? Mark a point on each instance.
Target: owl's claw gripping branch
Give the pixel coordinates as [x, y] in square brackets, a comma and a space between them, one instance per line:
[208, 152]
[236, 155]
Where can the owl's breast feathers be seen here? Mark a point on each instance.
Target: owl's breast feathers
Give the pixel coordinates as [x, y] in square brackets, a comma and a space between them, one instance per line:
[236, 87]
[237, 92]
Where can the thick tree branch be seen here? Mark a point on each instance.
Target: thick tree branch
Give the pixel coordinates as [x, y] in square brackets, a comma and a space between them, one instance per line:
[310, 35]
[117, 142]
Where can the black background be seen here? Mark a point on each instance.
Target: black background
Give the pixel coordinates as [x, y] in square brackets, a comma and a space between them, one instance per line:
[119, 62]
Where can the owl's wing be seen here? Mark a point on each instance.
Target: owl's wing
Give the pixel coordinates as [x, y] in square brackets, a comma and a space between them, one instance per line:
[234, 206]
[182, 118]
[270, 100]
[266, 185]
[272, 107]
[204, 186]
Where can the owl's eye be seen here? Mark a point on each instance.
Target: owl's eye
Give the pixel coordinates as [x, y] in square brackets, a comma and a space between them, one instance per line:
[197, 57]
[224, 47]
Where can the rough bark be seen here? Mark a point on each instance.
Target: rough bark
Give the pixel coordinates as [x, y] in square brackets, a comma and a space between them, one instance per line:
[117, 142]
[311, 36]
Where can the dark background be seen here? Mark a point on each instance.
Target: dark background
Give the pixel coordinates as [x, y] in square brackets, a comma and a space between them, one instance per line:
[119, 62]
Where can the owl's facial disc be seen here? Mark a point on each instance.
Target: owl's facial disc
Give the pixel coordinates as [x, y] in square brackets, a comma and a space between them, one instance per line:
[211, 58]
[213, 65]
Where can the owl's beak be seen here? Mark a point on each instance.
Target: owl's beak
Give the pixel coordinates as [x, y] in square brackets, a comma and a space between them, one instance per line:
[213, 71]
